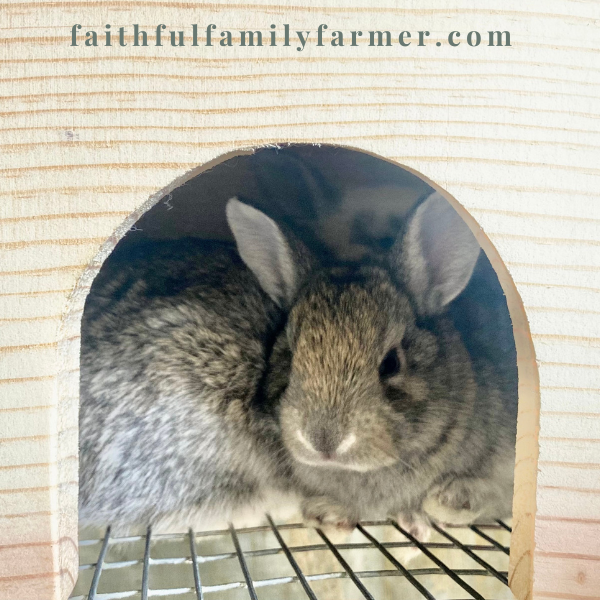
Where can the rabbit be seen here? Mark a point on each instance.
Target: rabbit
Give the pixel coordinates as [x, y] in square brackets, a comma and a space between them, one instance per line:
[175, 344]
[212, 377]
[383, 397]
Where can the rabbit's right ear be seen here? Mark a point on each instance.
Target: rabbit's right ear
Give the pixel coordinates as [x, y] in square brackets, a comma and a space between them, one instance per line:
[436, 256]
[265, 251]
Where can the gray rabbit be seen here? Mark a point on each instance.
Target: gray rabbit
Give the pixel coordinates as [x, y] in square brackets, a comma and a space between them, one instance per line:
[213, 377]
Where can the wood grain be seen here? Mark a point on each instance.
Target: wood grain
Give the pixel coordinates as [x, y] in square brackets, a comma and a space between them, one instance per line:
[90, 138]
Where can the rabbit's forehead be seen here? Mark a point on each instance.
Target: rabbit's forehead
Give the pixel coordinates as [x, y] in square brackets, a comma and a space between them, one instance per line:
[350, 318]
[372, 298]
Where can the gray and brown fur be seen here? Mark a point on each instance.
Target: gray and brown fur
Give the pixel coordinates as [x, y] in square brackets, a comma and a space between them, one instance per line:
[175, 343]
[210, 381]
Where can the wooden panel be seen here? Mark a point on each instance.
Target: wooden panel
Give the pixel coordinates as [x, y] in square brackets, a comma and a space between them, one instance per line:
[559, 537]
[576, 578]
[512, 134]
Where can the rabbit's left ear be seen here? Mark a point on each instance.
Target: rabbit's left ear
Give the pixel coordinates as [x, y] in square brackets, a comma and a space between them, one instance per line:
[265, 251]
[436, 255]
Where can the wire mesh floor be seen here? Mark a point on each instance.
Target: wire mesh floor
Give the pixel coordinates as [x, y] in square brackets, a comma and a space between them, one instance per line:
[378, 561]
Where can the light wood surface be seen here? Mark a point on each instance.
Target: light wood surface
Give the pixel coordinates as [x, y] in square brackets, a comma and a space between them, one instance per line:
[89, 136]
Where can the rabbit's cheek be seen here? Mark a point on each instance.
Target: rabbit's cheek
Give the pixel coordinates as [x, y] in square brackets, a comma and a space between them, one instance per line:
[289, 420]
[410, 396]
[416, 388]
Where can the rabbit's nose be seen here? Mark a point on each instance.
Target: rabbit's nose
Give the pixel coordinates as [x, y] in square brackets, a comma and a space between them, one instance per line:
[327, 444]
[331, 449]
[324, 442]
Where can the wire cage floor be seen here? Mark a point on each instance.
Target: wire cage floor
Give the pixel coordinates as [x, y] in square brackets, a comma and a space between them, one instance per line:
[378, 561]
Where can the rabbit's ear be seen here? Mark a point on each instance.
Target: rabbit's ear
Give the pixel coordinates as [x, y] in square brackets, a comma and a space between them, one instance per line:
[265, 251]
[436, 256]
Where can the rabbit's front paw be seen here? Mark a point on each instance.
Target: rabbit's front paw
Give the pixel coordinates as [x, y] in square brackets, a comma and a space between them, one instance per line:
[321, 512]
[417, 525]
[451, 504]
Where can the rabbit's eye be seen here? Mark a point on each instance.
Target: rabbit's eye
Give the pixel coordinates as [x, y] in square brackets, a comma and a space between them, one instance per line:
[390, 365]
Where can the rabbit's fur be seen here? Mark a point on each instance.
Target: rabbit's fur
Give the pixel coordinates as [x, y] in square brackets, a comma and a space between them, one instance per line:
[175, 343]
[208, 381]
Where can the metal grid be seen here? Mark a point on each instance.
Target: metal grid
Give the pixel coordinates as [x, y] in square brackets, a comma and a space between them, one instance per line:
[378, 561]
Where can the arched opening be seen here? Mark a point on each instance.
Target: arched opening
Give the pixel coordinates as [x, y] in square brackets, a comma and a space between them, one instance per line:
[347, 207]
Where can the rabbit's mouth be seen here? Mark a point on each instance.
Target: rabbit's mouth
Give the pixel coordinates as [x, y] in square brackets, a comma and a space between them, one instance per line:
[349, 454]
[345, 466]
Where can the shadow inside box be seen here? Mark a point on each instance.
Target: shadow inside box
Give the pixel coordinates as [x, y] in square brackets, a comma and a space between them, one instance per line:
[378, 560]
